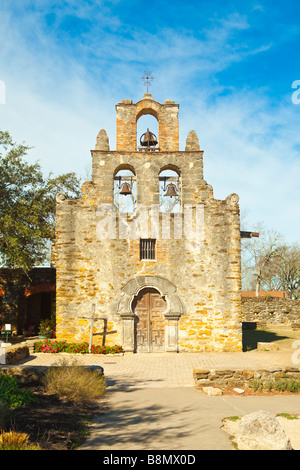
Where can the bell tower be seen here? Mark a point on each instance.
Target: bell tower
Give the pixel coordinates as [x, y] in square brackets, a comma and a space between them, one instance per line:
[166, 114]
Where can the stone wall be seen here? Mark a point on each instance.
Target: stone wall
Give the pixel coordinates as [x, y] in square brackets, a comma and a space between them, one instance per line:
[12, 354]
[242, 378]
[271, 311]
[91, 269]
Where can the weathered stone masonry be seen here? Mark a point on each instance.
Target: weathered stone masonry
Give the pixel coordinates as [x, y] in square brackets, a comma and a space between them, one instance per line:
[197, 281]
[271, 311]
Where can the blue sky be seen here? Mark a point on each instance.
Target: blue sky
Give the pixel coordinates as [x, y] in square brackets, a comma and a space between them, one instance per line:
[229, 65]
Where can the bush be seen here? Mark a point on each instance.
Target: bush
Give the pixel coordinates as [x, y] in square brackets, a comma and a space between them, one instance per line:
[287, 384]
[280, 385]
[48, 346]
[11, 395]
[74, 382]
[15, 441]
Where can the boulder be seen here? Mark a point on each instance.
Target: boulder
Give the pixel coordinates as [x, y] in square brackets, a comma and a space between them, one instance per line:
[261, 431]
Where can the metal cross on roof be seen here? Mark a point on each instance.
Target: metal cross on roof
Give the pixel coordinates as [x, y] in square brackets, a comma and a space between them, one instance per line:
[147, 77]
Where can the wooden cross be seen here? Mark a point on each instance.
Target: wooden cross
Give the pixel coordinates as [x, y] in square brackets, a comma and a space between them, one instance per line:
[147, 77]
[92, 319]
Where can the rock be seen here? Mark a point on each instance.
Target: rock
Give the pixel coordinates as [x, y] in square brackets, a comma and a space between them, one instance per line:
[212, 391]
[267, 346]
[248, 374]
[261, 431]
[239, 390]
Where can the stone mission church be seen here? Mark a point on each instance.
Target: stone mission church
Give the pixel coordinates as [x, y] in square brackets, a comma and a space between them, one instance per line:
[147, 247]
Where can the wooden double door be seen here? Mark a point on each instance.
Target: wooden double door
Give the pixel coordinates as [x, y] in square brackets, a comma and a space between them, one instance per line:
[148, 307]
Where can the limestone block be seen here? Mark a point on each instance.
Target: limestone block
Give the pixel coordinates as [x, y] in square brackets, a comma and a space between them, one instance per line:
[267, 346]
[240, 391]
[261, 431]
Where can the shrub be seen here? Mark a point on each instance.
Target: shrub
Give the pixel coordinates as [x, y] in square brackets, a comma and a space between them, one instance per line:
[48, 346]
[257, 385]
[74, 382]
[15, 441]
[11, 395]
[287, 384]
[280, 385]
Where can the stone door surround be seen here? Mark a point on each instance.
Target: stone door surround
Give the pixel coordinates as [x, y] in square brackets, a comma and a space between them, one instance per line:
[148, 307]
[172, 314]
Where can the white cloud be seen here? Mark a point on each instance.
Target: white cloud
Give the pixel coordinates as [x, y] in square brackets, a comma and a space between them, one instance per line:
[251, 148]
[60, 93]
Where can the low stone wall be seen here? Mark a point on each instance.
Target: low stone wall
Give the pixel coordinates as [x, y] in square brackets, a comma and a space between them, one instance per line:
[12, 354]
[26, 375]
[241, 378]
[271, 311]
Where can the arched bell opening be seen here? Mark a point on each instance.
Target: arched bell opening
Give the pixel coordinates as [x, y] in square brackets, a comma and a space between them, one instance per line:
[125, 189]
[147, 132]
[169, 190]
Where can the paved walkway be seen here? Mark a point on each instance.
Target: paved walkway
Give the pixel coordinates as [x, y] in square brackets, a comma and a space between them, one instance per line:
[168, 369]
[151, 403]
[173, 419]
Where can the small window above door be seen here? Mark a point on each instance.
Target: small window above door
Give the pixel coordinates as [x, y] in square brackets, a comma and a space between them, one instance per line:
[147, 249]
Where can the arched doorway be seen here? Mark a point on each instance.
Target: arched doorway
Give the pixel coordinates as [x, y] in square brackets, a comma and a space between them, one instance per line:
[40, 305]
[149, 332]
[173, 309]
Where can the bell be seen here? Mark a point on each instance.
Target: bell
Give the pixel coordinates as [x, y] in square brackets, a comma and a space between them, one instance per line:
[171, 190]
[125, 189]
[148, 139]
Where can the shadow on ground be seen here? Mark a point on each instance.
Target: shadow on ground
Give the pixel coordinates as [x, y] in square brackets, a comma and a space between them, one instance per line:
[252, 337]
[130, 423]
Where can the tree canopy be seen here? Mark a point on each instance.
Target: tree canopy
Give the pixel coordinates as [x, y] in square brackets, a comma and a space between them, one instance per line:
[27, 206]
[270, 264]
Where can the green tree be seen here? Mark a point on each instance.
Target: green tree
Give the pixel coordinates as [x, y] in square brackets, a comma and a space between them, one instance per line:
[27, 206]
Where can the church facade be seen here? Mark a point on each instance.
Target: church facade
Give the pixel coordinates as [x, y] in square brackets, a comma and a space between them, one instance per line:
[147, 247]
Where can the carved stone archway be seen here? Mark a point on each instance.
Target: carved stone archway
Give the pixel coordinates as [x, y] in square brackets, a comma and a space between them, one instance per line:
[172, 314]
